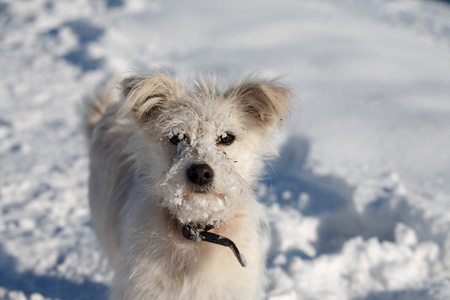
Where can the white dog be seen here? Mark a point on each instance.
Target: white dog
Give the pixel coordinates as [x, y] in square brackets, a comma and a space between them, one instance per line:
[172, 170]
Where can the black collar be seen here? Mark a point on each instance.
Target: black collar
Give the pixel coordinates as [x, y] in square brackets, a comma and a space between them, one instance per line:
[202, 235]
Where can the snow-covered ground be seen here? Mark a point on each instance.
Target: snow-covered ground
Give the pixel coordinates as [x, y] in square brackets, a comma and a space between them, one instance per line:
[359, 200]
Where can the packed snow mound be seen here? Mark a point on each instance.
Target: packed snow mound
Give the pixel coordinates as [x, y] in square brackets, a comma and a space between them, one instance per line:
[358, 200]
[371, 241]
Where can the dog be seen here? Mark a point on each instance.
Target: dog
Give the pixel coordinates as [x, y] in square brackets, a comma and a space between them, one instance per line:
[172, 171]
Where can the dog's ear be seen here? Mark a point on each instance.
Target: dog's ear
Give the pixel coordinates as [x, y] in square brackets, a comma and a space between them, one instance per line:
[267, 102]
[144, 94]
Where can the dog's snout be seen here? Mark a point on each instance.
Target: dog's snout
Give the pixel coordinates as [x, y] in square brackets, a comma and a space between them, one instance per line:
[200, 174]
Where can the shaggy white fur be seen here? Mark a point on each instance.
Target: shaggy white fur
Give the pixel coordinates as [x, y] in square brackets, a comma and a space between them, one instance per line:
[163, 155]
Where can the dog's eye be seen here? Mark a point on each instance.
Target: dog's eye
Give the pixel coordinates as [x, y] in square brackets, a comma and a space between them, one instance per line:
[226, 139]
[176, 138]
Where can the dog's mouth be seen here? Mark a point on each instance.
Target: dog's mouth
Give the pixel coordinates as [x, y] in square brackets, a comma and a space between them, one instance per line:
[200, 233]
[200, 189]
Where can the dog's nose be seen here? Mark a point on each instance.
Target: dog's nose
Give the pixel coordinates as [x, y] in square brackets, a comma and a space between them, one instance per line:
[200, 174]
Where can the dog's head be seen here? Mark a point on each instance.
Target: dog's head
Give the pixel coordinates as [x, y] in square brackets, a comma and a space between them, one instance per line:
[200, 148]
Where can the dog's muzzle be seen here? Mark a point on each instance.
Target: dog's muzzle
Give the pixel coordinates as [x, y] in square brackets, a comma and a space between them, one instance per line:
[201, 234]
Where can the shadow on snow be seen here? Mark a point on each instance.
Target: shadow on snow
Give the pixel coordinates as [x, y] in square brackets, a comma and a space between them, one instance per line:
[46, 285]
[86, 33]
[326, 197]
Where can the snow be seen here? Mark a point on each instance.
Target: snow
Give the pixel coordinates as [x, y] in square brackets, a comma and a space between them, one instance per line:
[358, 201]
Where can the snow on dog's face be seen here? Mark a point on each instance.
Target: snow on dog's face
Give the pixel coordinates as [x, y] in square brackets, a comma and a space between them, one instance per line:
[203, 148]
